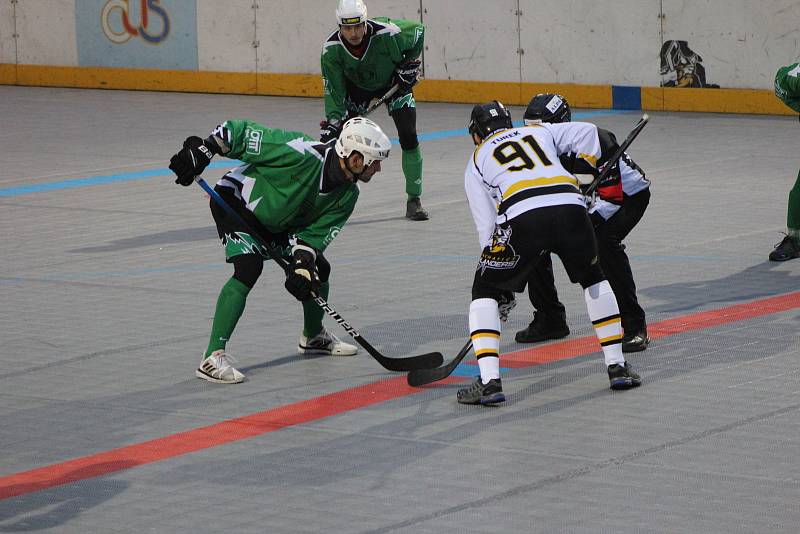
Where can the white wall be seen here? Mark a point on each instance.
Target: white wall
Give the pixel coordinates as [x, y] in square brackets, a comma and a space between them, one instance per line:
[46, 31]
[225, 37]
[578, 41]
[742, 42]
[7, 45]
[474, 41]
[291, 34]
[275, 36]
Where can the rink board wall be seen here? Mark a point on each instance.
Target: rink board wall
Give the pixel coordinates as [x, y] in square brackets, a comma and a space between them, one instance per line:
[623, 54]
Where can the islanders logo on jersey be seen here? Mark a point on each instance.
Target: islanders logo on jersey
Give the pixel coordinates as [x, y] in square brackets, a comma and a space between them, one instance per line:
[499, 254]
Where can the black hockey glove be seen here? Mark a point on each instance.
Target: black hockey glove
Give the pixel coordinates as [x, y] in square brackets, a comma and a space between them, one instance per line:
[406, 75]
[191, 161]
[505, 303]
[329, 130]
[302, 278]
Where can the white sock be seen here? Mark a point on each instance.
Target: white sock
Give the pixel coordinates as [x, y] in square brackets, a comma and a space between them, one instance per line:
[484, 328]
[604, 314]
[490, 368]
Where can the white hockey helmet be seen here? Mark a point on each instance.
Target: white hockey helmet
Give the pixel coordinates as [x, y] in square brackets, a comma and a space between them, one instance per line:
[351, 12]
[365, 137]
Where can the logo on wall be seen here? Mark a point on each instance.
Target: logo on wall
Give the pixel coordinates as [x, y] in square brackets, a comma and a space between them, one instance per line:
[116, 21]
[683, 66]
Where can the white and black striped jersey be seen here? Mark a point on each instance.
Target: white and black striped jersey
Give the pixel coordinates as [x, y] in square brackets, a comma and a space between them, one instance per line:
[633, 181]
[518, 169]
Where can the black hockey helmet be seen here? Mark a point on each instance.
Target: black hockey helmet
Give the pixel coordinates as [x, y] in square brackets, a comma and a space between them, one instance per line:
[547, 107]
[488, 118]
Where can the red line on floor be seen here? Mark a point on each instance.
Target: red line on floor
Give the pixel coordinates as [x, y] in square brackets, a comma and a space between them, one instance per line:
[203, 438]
[677, 325]
[256, 424]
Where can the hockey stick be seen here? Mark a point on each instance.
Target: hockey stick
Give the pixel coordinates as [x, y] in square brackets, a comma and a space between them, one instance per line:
[420, 377]
[618, 154]
[392, 90]
[422, 361]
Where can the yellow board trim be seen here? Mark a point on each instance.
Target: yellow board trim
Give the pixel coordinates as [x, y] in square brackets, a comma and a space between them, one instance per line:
[8, 74]
[163, 80]
[539, 182]
[757, 101]
[509, 93]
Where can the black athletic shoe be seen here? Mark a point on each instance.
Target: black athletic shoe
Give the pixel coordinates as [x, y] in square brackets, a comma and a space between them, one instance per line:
[636, 342]
[415, 211]
[623, 377]
[541, 329]
[480, 393]
[788, 249]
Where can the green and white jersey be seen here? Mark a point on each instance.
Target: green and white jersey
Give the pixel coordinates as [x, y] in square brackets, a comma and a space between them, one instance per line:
[787, 85]
[281, 181]
[390, 42]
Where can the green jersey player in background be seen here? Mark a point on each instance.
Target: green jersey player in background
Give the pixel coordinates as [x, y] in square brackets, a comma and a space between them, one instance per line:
[297, 193]
[787, 88]
[361, 61]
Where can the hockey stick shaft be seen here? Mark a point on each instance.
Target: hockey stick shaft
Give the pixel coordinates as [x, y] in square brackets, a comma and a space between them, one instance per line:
[423, 361]
[618, 154]
[389, 94]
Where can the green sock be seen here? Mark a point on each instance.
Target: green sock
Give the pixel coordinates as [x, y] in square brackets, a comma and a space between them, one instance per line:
[412, 170]
[230, 305]
[793, 214]
[313, 314]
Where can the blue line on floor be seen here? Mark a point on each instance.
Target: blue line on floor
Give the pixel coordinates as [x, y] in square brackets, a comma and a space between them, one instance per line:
[98, 180]
[471, 369]
[139, 175]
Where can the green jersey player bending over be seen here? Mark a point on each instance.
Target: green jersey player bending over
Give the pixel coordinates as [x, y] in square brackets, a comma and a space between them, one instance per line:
[297, 193]
[361, 61]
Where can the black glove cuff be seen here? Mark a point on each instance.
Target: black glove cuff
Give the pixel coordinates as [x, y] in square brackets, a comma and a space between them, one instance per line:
[211, 143]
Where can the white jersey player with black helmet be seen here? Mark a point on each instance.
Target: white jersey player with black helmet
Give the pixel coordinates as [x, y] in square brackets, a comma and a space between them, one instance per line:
[525, 202]
[619, 204]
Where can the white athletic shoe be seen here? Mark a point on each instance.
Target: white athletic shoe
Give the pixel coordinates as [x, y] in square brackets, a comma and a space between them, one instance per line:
[217, 368]
[325, 343]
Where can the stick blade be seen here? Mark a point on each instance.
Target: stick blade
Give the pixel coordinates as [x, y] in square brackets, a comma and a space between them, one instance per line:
[429, 360]
[426, 376]
[421, 377]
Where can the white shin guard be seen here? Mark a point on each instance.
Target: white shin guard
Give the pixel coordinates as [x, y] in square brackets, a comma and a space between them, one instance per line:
[484, 328]
[604, 314]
